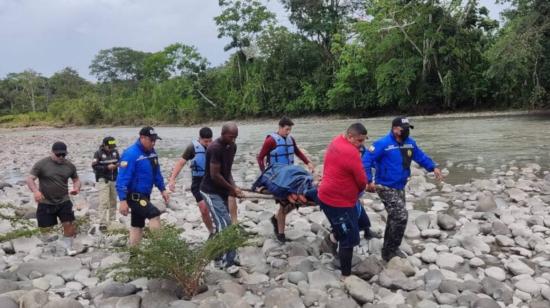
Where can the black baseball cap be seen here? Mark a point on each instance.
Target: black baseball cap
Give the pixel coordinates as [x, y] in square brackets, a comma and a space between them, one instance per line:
[149, 132]
[401, 122]
[109, 141]
[59, 147]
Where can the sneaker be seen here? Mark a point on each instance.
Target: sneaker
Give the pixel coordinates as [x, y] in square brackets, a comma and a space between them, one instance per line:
[71, 252]
[232, 270]
[281, 237]
[327, 246]
[275, 226]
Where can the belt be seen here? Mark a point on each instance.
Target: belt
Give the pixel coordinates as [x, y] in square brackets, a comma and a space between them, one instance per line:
[138, 197]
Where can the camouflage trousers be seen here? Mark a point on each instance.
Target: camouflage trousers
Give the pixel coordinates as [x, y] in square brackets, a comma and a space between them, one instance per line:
[394, 202]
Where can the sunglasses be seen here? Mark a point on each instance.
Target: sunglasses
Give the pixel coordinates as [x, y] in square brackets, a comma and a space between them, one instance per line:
[60, 154]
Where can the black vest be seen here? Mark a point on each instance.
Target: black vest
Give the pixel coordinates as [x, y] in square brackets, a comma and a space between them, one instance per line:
[101, 160]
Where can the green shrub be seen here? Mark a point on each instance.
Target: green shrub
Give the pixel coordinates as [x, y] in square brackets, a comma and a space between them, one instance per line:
[163, 254]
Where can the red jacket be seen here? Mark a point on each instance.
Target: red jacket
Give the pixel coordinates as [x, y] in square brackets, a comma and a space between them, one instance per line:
[343, 174]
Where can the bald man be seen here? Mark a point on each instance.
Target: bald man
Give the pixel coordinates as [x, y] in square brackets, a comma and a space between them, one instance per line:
[218, 184]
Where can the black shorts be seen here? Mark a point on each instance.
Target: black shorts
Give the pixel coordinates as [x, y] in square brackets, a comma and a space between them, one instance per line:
[139, 213]
[196, 188]
[47, 214]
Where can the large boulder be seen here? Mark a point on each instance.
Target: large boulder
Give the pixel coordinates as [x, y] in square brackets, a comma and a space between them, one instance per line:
[281, 297]
[50, 266]
[359, 289]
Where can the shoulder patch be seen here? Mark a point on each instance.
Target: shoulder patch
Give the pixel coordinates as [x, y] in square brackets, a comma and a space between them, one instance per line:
[123, 164]
[372, 148]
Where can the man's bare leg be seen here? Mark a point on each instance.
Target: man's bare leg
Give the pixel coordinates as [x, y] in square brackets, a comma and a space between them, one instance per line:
[154, 223]
[135, 235]
[69, 231]
[281, 219]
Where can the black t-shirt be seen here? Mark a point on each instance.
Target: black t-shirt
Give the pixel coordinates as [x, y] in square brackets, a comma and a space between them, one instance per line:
[53, 179]
[189, 152]
[223, 155]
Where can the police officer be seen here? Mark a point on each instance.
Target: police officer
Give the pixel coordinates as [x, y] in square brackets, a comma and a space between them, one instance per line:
[105, 165]
[139, 170]
[391, 157]
[196, 153]
[279, 148]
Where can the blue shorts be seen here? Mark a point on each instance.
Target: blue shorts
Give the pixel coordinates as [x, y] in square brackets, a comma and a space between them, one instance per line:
[345, 224]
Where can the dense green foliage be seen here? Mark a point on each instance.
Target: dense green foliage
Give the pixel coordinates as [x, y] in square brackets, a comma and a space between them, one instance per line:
[358, 57]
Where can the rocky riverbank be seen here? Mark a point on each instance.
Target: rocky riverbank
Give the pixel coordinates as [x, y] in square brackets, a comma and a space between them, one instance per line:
[482, 244]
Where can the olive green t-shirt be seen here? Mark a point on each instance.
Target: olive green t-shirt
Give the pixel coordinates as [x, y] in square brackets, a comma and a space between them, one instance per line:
[54, 178]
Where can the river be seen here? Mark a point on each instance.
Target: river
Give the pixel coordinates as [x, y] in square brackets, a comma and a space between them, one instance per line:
[459, 144]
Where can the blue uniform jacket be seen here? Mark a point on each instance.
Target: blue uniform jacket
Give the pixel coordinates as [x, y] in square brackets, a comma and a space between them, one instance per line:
[392, 161]
[136, 173]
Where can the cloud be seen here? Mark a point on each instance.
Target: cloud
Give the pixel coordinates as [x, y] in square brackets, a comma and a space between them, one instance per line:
[50, 35]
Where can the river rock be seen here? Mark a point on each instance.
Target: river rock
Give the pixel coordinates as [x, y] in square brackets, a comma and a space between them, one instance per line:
[430, 233]
[117, 289]
[281, 297]
[428, 255]
[229, 286]
[368, 268]
[157, 299]
[516, 267]
[7, 286]
[6, 302]
[179, 304]
[423, 221]
[131, 301]
[253, 259]
[50, 266]
[477, 262]
[341, 302]
[517, 194]
[446, 222]
[496, 272]
[41, 283]
[359, 289]
[504, 241]
[321, 279]
[486, 203]
[412, 231]
[485, 303]
[432, 280]
[34, 299]
[394, 279]
[497, 290]
[64, 303]
[499, 228]
[296, 277]
[402, 265]
[25, 244]
[528, 285]
[254, 278]
[475, 244]
[449, 260]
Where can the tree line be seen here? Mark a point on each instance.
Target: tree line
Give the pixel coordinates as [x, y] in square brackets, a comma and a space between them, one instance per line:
[353, 57]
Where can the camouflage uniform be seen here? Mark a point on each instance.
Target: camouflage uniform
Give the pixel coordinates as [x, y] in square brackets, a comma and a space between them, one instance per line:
[394, 202]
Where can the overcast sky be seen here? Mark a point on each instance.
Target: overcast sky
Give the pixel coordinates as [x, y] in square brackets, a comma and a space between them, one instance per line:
[48, 35]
